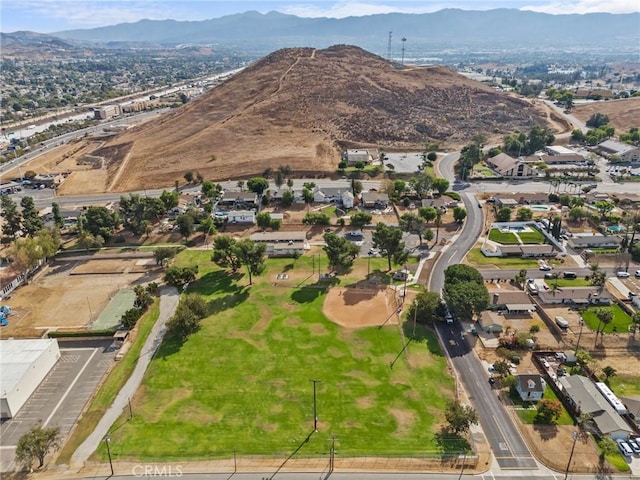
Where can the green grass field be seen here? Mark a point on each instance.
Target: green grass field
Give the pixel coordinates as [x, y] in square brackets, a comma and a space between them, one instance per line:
[533, 237]
[505, 238]
[620, 323]
[243, 381]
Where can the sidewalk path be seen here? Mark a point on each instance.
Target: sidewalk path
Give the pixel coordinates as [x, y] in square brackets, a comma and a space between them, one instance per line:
[169, 298]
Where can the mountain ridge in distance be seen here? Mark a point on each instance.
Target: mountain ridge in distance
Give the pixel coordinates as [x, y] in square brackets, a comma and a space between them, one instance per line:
[453, 27]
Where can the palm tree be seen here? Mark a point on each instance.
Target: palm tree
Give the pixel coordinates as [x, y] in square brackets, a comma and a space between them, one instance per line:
[438, 222]
[605, 317]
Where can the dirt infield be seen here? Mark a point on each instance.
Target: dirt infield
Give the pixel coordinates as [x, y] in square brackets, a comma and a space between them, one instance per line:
[71, 295]
[361, 307]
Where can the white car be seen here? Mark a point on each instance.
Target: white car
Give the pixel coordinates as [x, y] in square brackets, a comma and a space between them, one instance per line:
[545, 268]
[623, 274]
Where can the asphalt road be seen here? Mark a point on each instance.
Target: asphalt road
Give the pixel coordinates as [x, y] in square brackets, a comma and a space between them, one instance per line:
[491, 274]
[504, 438]
[137, 472]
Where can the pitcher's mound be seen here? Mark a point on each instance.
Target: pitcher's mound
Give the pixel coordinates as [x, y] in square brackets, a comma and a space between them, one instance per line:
[361, 307]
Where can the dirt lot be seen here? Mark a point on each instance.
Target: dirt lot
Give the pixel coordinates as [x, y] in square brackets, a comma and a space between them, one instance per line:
[69, 295]
[361, 307]
[623, 114]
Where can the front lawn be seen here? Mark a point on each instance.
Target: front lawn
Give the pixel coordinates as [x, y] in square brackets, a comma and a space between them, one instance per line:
[477, 258]
[569, 282]
[620, 323]
[243, 382]
[527, 412]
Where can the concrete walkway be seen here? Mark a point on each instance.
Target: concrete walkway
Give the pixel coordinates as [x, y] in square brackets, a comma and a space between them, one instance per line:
[168, 302]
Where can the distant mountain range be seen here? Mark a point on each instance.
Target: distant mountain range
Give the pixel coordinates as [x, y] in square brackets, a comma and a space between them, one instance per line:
[449, 28]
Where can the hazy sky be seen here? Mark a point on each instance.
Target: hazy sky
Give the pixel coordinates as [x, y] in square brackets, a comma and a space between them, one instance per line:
[46, 16]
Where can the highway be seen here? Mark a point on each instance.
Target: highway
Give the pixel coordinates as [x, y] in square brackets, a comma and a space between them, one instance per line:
[504, 438]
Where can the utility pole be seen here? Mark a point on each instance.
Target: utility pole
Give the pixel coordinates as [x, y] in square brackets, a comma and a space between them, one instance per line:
[90, 312]
[575, 438]
[579, 335]
[315, 406]
[332, 453]
[403, 40]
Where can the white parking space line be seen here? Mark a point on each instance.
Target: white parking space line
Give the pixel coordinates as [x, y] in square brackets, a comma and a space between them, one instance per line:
[86, 364]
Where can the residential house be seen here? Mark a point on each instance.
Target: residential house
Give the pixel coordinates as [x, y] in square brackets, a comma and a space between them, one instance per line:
[590, 240]
[510, 167]
[622, 151]
[375, 200]
[530, 387]
[585, 398]
[354, 156]
[506, 202]
[513, 302]
[522, 251]
[341, 195]
[282, 244]
[442, 203]
[241, 216]
[235, 200]
[574, 295]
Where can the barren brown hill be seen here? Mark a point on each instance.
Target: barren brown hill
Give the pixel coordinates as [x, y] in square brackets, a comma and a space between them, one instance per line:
[302, 106]
[623, 114]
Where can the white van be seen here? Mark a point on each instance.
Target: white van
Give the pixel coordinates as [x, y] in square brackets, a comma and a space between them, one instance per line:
[561, 322]
[625, 449]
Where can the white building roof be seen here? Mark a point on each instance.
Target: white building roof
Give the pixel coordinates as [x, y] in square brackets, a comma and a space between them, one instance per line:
[559, 150]
[16, 357]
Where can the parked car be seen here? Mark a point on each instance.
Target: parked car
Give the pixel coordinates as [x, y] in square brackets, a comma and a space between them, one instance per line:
[624, 448]
[622, 274]
[635, 446]
[545, 267]
[637, 274]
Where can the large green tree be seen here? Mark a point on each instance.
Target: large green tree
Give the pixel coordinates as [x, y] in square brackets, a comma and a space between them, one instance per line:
[340, 251]
[425, 308]
[441, 185]
[186, 225]
[464, 290]
[36, 444]
[100, 221]
[224, 253]
[360, 219]
[251, 255]
[258, 185]
[12, 218]
[31, 221]
[389, 241]
[460, 417]
[187, 317]
[504, 214]
[414, 224]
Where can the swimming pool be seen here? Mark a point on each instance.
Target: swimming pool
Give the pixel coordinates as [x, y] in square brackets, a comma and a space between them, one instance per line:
[540, 208]
[615, 228]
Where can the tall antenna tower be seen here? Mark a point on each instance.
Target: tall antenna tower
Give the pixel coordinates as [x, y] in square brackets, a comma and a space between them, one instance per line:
[403, 40]
[389, 47]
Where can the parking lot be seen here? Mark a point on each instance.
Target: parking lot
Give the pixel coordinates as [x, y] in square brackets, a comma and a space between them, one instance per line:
[60, 398]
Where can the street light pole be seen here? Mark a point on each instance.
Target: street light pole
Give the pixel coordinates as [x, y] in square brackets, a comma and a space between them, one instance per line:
[106, 441]
[315, 406]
